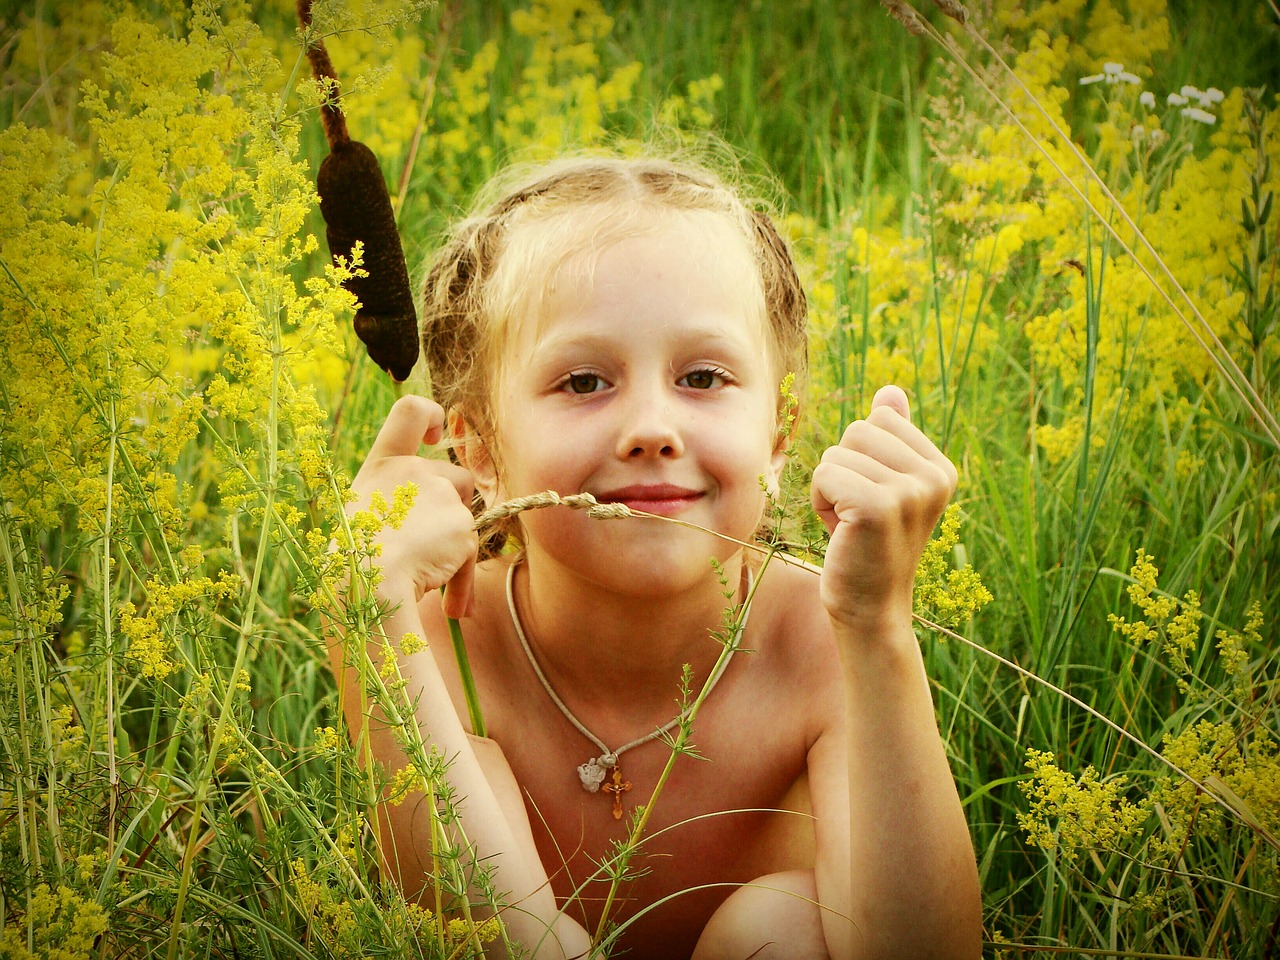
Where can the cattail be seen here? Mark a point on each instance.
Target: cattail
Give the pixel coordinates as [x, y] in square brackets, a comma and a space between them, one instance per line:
[357, 209]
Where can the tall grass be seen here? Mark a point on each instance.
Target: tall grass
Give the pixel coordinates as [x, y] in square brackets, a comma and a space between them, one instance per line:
[182, 400]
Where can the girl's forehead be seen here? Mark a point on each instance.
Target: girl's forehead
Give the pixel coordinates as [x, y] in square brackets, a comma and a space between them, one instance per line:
[710, 243]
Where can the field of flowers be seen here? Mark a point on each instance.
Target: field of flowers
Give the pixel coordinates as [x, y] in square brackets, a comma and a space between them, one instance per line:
[1052, 223]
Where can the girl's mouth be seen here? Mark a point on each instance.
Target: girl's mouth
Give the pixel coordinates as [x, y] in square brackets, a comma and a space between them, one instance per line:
[663, 499]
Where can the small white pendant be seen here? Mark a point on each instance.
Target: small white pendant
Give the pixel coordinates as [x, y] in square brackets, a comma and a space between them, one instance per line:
[593, 772]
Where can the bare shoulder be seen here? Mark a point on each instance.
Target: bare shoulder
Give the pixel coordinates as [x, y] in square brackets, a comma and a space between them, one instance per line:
[808, 663]
[792, 607]
[795, 631]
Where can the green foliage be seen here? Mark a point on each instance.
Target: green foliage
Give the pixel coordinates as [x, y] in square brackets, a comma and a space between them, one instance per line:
[182, 401]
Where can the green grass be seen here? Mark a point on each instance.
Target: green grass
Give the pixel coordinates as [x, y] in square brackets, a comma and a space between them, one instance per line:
[186, 788]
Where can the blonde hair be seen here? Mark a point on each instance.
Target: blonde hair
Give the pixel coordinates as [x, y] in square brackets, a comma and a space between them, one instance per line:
[481, 278]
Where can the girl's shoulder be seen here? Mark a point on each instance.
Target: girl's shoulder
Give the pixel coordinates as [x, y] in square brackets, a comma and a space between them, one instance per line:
[791, 632]
[789, 588]
[792, 623]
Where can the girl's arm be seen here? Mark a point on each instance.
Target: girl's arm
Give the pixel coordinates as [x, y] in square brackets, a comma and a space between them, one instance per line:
[434, 547]
[909, 883]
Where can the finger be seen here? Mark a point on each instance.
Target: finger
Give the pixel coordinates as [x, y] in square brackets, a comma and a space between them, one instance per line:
[459, 593]
[412, 422]
[888, 420]
[888, 438]
[844, 477]
[878, 469]
[839, 494]
[893, 397]
[460, 477]
[905, 451]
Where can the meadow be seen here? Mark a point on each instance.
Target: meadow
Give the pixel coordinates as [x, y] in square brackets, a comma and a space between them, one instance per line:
[1051, 223]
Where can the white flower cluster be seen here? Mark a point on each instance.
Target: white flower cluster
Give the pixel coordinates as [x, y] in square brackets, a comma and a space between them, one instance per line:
[1195, 103]
[1112, 73]
[1205, 99]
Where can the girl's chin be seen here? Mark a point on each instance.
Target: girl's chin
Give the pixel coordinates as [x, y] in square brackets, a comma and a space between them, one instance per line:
[638, 561]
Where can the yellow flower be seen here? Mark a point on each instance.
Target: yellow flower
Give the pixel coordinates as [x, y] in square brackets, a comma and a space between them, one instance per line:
[411, 643]
[327, 740]
[65, 925]
[404, 782]
[1070, 814]
[948, 596]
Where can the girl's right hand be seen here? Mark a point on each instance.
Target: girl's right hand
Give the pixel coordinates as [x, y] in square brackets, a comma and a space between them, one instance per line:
[436, 545]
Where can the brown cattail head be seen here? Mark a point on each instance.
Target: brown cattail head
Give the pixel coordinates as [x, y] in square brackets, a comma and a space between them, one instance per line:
[357, 209]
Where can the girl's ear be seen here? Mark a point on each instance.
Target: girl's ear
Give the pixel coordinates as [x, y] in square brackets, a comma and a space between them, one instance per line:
[473, 454]
[777, 464]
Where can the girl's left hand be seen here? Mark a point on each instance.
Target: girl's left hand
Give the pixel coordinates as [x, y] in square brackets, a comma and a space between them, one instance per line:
[879, 493]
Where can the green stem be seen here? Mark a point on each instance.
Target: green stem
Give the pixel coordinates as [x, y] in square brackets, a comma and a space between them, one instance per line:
[28, 839]
[399, 714]
[108, 637]
[468, 680]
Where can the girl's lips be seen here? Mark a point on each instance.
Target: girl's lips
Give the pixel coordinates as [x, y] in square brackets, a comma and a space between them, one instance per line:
[663, 499]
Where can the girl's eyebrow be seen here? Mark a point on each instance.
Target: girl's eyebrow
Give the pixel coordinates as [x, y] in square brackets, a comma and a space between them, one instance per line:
[686, 335]
[570, 341]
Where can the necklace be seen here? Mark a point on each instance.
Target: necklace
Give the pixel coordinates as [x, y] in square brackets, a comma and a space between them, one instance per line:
[592, 773]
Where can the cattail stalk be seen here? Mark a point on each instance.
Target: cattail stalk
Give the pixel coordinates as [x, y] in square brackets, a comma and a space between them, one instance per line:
[360, 222]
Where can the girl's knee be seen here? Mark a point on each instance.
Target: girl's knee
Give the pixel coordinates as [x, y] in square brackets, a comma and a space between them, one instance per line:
[776, 916]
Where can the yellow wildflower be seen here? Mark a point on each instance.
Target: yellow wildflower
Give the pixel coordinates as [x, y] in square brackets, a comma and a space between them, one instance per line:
[948, 596]
[1070, 814]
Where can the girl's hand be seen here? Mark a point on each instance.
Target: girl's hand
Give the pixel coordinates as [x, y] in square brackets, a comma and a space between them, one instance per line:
[879, 493]
[436, 545]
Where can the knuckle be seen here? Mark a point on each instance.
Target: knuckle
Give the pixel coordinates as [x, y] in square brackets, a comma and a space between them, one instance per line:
[444, 494]
[411, 403]
[461, 516]
[454, 535]
[853, 433]
[937, 478]
[462, 548]
[460, 477]
[830, 456]
[944, 482]
[882, 416]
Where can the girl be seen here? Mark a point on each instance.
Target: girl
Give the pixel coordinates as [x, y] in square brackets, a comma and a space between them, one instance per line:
[621, 328]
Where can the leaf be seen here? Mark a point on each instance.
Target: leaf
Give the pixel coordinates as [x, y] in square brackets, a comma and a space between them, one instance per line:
[1246, 220]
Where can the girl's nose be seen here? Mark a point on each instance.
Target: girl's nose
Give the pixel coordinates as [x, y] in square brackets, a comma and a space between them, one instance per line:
[650, 428]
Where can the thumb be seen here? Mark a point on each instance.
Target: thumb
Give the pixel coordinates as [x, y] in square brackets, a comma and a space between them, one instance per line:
[413, 420]
[893, 397]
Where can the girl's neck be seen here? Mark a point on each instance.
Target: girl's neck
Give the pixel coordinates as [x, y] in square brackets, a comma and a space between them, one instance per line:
[593, 642]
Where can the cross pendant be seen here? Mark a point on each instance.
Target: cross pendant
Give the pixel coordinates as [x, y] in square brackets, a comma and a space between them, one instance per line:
[617, 788]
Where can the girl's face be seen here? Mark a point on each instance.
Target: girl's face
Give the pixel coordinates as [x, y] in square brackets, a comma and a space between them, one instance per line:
[646, 380]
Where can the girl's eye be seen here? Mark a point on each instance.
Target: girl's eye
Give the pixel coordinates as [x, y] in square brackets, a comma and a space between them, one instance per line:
[583, 383]
[703, 379]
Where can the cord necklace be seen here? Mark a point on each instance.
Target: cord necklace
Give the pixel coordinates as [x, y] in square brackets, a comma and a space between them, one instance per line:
[592, 774]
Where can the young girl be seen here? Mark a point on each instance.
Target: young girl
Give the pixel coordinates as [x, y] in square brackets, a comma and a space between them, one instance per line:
[621, 328]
